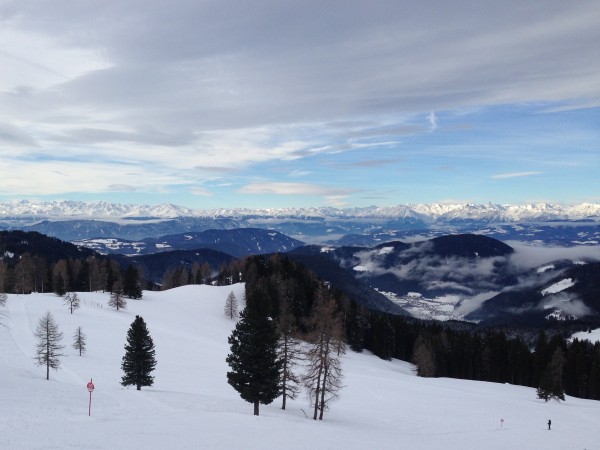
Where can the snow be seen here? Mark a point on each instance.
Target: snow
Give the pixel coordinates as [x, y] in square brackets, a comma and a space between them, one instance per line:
[546, 268]
[592, 336]
[382, 406]
[559, 286]
[434, 212]
[99, 244]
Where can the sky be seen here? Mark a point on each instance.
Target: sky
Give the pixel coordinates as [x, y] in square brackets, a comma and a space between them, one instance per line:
[212, 104]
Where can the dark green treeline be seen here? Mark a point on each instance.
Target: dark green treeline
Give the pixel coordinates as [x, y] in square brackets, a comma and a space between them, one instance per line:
[438, 349]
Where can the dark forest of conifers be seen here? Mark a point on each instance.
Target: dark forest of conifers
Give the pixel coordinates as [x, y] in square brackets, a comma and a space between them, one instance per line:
[463, 350]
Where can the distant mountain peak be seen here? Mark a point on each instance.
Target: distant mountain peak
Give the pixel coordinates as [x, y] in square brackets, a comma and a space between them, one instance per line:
[428, 213]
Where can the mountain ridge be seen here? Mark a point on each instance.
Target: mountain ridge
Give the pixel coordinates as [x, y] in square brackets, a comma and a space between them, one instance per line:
[427, 213]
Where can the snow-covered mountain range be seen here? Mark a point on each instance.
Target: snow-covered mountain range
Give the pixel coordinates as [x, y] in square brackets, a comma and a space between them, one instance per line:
[427, 213]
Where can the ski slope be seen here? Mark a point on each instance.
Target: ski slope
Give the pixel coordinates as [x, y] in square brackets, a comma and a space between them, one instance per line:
[191, 406]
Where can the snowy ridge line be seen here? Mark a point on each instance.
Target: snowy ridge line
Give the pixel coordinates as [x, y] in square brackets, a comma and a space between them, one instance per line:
[428, 213]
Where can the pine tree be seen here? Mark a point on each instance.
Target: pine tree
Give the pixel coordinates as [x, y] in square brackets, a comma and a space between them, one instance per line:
[383, 337]
[255, 368]
[117, 299]
[551, 384]
[131, 283]
[231, 306]
[59, 285]
[323, 377]
[356, 328]
[79, 341]
[424, 356]
[139, 360]
[72, 301]
[48, 347]
[594, 379]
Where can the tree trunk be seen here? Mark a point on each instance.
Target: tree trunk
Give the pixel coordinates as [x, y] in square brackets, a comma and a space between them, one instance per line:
[318, 390]
[139, 387]
[47, 358]
[325, 372]
[284, 371]
[284, 397]
[256, 407]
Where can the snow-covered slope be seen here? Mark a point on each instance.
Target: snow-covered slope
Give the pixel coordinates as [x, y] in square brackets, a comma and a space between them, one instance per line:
[592, 335]
[382, 406]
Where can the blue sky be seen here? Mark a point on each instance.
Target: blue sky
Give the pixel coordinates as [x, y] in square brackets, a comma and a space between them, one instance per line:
[274, 104]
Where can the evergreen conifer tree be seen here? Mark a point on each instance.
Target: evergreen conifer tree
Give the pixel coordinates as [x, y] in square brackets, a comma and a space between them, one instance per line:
[139, 360]
[356, 328]
[551, 384]
[255, 369]
[59, 285]
[424, 356]
[131, 283]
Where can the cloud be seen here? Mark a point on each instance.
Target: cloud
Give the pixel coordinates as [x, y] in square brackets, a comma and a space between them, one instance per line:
[14, 136]
[470, 304]
[566, 303]
[432, 121]
[299, 173]
[369, 163]
[170, 87]
[293, 189]
[201, 191]
[502, 176]
[121, 187]
[528, 256]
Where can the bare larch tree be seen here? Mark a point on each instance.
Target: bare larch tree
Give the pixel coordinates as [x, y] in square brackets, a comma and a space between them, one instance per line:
[288, 350]
[72, 301]
[48, 347]
[79, 341]
[323, 377]
[231, 306]
[117, 297]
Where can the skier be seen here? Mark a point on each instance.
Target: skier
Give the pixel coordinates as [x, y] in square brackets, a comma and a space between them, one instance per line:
[549, 423]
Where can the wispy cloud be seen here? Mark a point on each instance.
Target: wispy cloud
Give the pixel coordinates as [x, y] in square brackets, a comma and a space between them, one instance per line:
[201, 191]
[299, 173]
[369, 163]
[293, 189]
[184, 93]
[502, 176]
[432, 121]
[121, 187]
